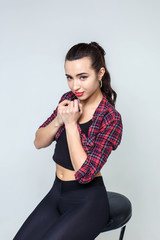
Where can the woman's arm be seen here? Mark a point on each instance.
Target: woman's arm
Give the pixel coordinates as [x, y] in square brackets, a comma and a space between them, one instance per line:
[45, 135]
[76, 151]
[46, 132]
[108, 139]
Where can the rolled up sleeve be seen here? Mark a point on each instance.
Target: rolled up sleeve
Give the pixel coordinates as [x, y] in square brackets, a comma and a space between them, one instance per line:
[106, 140]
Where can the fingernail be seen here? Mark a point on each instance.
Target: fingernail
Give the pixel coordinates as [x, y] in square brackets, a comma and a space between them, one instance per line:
[78, 100]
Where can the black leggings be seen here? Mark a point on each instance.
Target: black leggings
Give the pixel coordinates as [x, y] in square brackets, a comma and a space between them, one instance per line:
[70, 210]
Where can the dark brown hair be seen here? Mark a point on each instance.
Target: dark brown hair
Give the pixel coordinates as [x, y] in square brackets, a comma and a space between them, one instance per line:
[96, 53]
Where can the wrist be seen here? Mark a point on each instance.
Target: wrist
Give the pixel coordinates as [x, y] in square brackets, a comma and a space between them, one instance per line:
[56, 123]
[70, 125]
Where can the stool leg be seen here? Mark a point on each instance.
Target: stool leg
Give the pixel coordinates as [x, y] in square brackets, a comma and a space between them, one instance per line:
[122, 232]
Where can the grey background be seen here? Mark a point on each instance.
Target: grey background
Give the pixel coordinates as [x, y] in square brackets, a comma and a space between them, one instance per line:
[35, 36]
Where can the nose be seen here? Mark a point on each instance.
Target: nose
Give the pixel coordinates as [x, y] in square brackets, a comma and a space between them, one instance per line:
[75, 85]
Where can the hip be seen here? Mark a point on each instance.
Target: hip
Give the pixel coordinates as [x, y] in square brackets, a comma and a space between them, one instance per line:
[95, 190]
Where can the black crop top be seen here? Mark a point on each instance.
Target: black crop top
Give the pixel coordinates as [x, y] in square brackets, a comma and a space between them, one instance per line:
[61, 153]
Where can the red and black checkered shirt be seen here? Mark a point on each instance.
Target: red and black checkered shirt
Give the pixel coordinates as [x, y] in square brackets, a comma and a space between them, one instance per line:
[104, 135]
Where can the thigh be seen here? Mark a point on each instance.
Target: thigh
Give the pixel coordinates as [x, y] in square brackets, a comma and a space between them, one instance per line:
[82, 218]
[40, 220]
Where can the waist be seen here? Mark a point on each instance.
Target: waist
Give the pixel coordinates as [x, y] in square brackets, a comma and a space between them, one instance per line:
[66, 174]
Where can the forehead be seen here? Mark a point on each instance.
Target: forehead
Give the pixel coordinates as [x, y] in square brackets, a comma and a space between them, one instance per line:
[79, 65]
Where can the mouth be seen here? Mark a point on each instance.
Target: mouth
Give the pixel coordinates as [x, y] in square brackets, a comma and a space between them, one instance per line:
[79, 93]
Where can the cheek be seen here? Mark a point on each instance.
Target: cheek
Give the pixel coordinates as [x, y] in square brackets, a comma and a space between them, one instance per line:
[93, 84]
[69, 84]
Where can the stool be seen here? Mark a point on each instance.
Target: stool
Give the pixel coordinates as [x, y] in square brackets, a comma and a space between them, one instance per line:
[120, 213]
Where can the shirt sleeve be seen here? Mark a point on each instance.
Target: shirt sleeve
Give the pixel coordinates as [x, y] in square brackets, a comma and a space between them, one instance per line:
[53, 115]
[106, 140]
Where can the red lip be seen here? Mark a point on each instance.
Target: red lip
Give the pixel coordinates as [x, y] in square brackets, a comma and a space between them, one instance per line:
[79, 93]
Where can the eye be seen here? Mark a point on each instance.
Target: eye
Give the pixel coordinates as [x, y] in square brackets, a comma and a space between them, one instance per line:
[68, 77]
[83, 77]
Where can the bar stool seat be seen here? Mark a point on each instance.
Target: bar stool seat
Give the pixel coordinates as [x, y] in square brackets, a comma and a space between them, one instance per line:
[120, 212]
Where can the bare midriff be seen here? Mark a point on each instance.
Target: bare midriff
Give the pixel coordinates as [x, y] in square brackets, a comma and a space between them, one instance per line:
[66, 174]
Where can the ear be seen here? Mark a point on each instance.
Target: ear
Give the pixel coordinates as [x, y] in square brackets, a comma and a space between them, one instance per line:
[101, 73]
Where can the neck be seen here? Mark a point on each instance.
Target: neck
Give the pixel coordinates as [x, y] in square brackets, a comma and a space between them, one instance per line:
[93, 100]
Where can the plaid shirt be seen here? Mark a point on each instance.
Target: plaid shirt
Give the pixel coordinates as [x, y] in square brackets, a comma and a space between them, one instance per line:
[104, 135]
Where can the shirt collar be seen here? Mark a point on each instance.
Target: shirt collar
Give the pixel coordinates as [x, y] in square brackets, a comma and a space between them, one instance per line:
[101, 107]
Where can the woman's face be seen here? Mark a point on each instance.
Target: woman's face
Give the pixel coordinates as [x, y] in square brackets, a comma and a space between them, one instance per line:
[82, 78]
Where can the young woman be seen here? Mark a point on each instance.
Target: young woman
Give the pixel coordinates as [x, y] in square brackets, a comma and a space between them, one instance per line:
[86, 127]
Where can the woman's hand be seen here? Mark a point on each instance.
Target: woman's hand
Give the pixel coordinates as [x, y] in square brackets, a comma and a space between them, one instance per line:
[71, 113]
[61, 107]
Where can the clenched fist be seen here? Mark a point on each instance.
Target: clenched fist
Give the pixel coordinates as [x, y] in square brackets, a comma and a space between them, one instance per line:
[69, 112]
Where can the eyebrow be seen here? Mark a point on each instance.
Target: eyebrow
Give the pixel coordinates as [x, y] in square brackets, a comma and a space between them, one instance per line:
[76, 75]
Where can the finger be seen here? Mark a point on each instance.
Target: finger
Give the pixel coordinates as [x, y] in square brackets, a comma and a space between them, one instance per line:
[71, 105]
[64, 102]
[76, 105]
